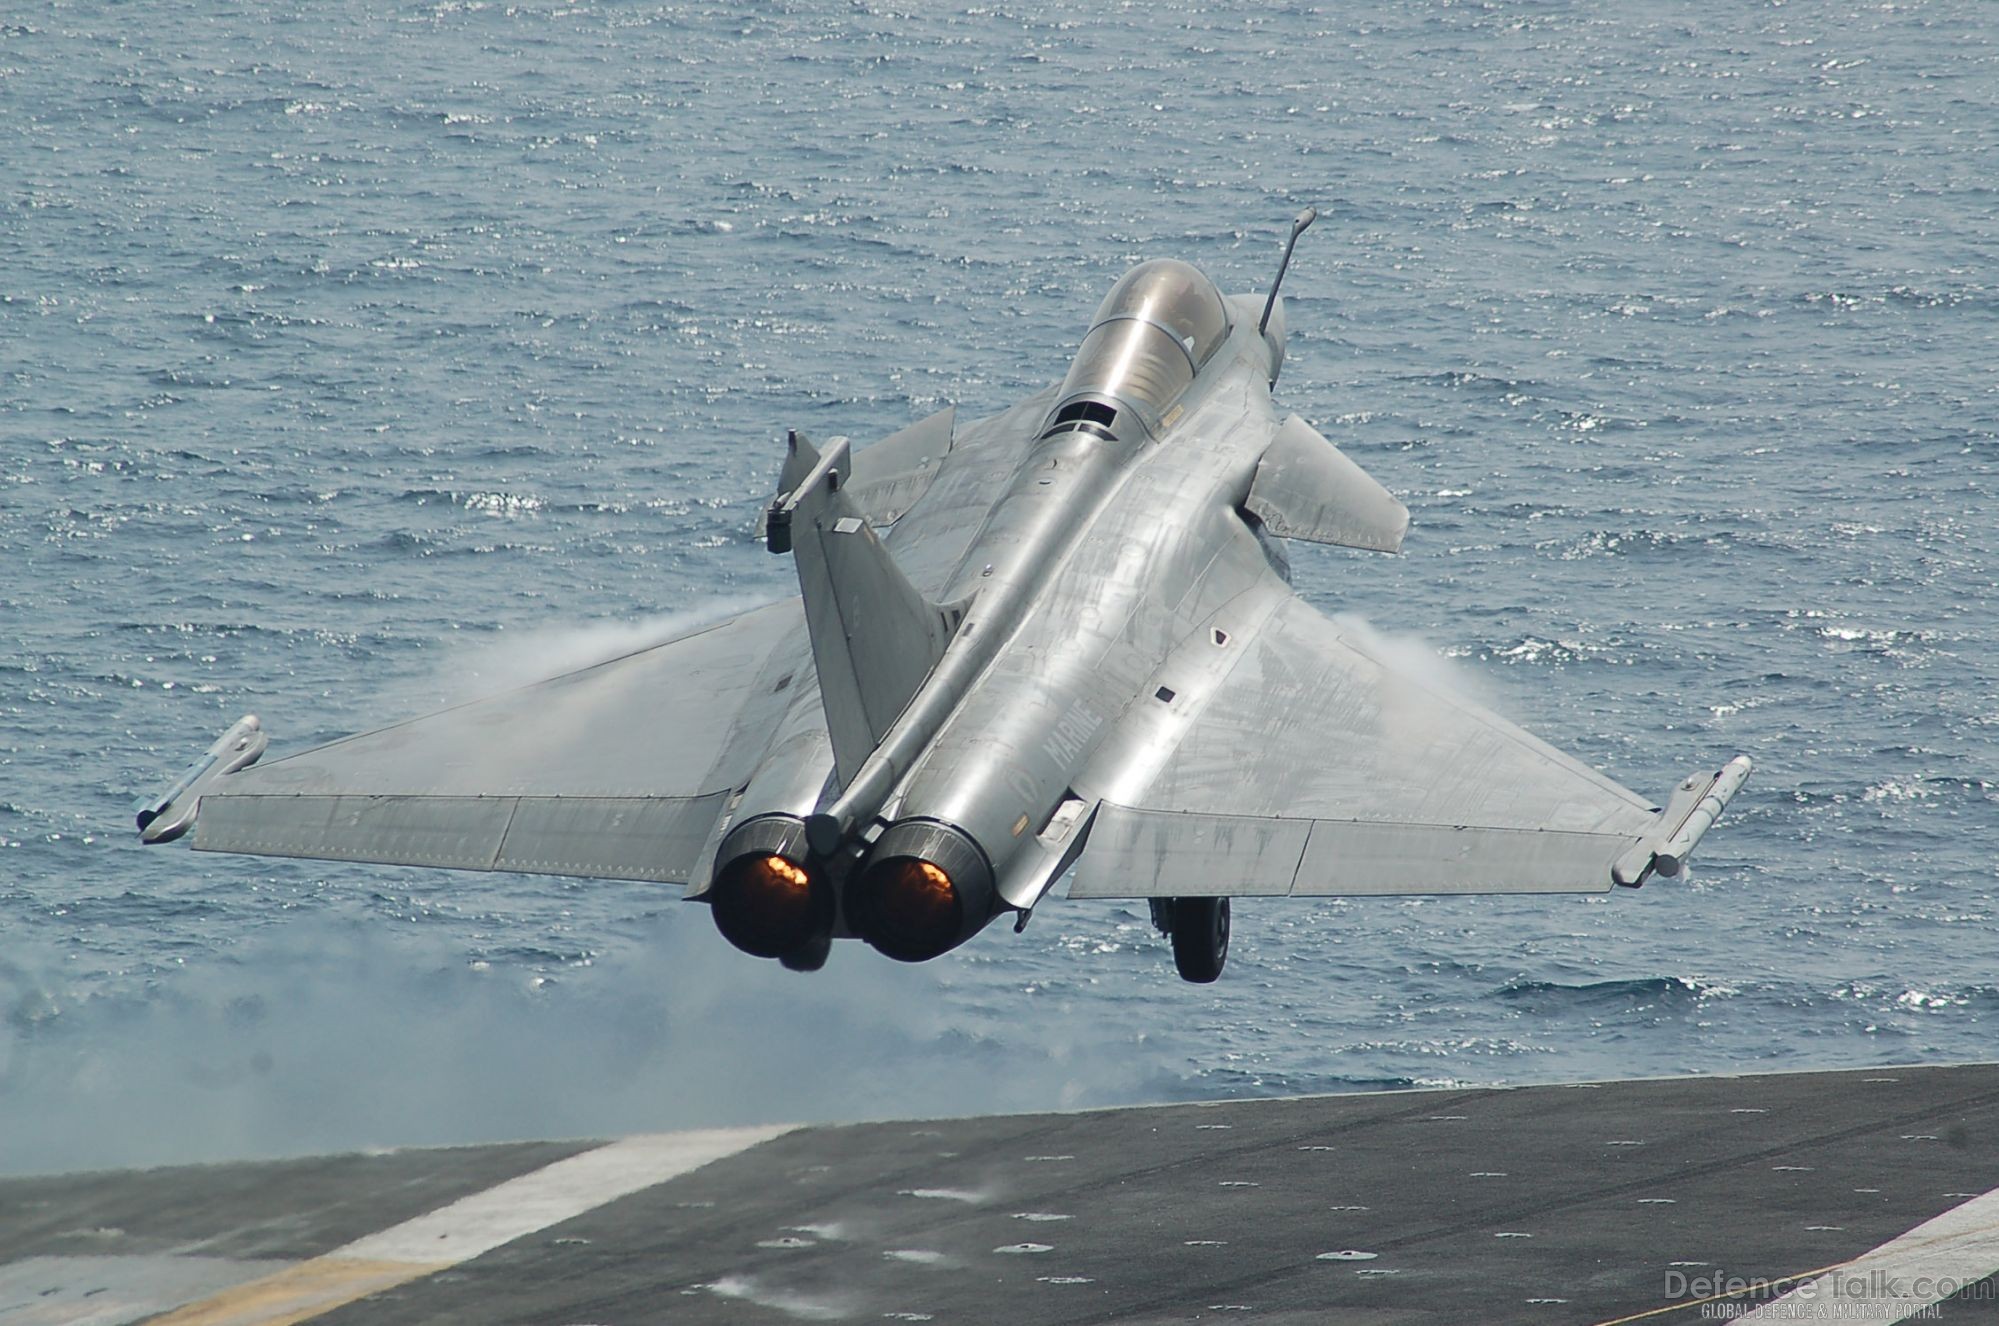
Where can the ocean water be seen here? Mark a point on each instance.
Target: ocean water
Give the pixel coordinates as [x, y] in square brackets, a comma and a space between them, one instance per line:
[356, 357]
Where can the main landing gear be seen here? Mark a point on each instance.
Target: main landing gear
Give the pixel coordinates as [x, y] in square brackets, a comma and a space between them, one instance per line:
[1200, 931]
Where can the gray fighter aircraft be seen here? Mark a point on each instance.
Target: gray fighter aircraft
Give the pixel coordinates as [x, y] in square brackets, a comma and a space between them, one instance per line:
[1076, 646]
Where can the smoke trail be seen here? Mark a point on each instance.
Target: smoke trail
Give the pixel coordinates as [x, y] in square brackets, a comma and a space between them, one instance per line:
[332, 1035]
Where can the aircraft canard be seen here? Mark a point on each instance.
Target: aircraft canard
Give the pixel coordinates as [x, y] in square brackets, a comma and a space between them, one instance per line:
[1059, 637]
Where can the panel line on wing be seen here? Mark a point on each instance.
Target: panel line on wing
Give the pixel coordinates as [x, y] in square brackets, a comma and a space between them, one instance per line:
[1136, 852]
[658, 839]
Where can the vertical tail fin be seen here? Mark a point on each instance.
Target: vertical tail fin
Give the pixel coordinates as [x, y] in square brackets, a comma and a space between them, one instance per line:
[874, 637]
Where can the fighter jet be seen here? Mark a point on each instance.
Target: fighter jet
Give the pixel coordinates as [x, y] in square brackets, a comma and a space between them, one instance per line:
[1060, 638]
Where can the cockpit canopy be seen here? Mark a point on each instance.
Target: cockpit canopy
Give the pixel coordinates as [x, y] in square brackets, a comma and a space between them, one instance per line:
[1157, 328]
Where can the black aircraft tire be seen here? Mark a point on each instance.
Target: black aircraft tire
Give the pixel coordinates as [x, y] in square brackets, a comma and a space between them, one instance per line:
[1200, 938]
[811, 956]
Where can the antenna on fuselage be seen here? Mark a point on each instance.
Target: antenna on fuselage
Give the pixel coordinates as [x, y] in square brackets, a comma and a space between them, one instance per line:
[1303, 219]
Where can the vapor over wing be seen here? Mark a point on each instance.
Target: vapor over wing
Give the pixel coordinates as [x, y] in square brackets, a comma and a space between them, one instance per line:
[618, 770]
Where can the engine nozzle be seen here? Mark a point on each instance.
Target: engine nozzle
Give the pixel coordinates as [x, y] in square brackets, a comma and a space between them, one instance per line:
[926, 888]
[769, 897]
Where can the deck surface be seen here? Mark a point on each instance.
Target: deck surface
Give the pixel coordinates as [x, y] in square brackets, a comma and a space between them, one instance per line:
[1582, 1204]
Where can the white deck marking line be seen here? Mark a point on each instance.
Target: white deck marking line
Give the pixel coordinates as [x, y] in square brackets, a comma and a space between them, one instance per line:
[467, 1227]
[544, 1197]
[1902, 1276]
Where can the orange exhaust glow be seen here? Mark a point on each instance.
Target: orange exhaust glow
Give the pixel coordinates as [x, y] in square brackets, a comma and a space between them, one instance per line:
[767, 906]
[913, 909]
[782, 870]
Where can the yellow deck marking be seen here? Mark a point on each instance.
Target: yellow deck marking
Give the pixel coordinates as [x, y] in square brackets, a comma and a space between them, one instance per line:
[298, 1292]
[465, 1228]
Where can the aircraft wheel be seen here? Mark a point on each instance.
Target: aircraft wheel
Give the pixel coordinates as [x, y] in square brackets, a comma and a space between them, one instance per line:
[811, 956]
[1200, 937]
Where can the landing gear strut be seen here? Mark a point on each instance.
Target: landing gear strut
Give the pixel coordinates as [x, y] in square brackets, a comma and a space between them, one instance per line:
[1200, 931]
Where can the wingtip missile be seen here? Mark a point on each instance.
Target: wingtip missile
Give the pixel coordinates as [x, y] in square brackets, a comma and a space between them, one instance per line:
[167, 816]
[1693, 809]
[1672, 855]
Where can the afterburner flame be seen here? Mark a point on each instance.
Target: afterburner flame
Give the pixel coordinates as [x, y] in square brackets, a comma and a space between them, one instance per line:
[910, 909]
[768, 906]
[783, 870]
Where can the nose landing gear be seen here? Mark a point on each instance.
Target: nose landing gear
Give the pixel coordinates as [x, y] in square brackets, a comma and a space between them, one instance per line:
[1200, 931]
